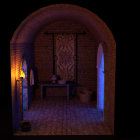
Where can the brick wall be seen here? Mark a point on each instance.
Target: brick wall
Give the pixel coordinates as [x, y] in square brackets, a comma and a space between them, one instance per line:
[87, 51]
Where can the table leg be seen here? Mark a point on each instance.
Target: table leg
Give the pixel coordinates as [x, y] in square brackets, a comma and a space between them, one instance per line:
[41, 91]
[68, 91]
[74, 91]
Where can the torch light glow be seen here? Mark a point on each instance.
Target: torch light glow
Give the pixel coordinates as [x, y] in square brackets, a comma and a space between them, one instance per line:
[22, 74]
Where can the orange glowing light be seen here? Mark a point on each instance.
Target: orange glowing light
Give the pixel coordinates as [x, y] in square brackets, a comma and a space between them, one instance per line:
[22, 74]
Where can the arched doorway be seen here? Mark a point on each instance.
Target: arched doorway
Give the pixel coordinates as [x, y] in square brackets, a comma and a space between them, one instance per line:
[24, 86]
[100, 78]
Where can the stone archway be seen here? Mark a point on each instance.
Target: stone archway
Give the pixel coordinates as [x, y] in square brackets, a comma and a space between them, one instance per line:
[24, 35]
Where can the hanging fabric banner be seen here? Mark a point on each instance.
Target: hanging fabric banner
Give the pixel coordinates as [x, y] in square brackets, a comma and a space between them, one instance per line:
[65, 56]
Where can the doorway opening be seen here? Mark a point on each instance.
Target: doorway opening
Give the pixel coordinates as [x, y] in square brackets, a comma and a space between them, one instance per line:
[24, 90]
[100, 78]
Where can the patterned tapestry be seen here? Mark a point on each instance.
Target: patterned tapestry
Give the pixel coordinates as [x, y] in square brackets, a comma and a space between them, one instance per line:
[65, 55]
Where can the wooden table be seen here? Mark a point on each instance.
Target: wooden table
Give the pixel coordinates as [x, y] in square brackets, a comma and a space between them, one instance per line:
[49, 84]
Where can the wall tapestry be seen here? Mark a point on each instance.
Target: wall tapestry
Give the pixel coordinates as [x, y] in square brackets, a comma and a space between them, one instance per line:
[65, 56]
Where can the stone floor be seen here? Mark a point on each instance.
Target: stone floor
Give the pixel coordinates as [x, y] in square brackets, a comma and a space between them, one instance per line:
[57, 116]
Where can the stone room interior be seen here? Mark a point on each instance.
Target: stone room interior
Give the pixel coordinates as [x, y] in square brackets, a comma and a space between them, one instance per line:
[63, 61]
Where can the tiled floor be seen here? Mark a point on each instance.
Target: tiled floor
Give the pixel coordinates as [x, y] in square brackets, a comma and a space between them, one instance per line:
[57, 116]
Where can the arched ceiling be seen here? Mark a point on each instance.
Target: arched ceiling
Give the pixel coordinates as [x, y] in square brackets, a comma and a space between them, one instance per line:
[27, 30]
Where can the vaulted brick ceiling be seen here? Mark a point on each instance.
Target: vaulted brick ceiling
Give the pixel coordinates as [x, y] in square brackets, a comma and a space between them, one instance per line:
[27, 30]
